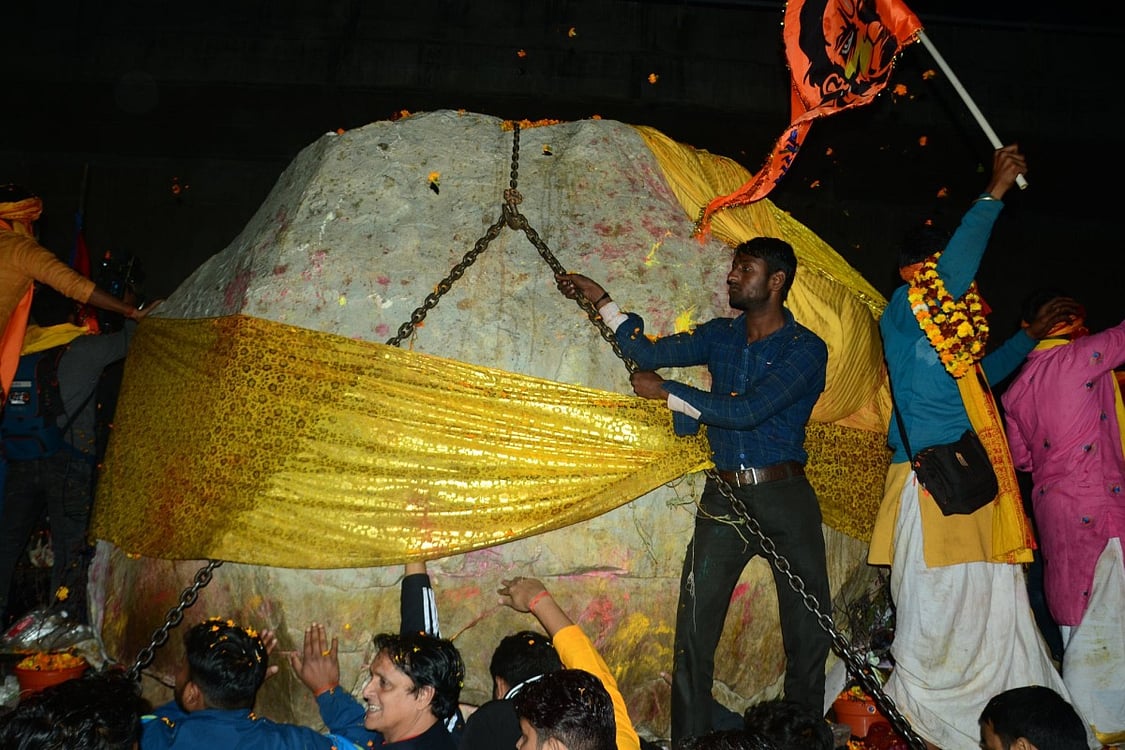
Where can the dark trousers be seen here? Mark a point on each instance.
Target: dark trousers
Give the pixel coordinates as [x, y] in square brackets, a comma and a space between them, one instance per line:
[61, 486]
[788, 513]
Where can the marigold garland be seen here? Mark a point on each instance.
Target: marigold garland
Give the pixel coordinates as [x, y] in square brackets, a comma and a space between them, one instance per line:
[957, 329]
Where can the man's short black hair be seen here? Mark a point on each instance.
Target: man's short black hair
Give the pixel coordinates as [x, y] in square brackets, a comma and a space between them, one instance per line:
[778, 255]
[921, 242]
[789, 725]
[227, 662]
[428, 661]
[1038, 714]
[570, 706]
[99, 711]
[523, 655]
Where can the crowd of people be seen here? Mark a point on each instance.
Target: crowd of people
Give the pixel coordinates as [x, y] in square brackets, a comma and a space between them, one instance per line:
[971, 668]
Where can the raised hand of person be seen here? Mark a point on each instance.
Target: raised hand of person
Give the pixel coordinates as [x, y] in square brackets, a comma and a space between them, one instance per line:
[530, 595]
[318, 664]
[1007, 164]
[1058, 310]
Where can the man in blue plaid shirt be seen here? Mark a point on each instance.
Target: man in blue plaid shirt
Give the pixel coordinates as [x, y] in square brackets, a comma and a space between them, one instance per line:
[767, 372]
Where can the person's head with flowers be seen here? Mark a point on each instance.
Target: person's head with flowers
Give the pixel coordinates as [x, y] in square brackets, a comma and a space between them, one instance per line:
[224, 665]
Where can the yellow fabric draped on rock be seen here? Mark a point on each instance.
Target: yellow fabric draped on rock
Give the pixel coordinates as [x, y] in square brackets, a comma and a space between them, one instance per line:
[253, 441]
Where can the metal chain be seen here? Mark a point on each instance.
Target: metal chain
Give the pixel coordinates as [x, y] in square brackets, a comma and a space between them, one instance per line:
[174, 617]
[511, 197]
[509, 215]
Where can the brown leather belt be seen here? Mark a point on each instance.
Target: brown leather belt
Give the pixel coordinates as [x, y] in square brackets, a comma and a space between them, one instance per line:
[761, 475]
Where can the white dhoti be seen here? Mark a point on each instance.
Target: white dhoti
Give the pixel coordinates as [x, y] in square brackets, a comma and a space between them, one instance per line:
[963, 633]
[1094, 661]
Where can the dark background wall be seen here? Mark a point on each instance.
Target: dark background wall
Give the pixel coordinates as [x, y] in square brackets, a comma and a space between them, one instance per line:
[184, 114]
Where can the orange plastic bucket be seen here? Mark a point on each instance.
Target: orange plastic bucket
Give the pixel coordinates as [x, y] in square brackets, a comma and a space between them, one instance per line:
[859, 715]
[33, 680]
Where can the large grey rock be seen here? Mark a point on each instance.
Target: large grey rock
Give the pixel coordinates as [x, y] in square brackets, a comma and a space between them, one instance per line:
[350, 241]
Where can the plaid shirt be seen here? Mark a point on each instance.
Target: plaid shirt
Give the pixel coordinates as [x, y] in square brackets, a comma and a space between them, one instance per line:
[762, 393]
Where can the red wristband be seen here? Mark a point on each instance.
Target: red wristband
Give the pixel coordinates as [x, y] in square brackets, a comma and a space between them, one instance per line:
[325, 689]
[535, 600]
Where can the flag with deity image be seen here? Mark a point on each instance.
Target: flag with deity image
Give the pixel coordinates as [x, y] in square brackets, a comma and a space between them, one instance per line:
[840, 54]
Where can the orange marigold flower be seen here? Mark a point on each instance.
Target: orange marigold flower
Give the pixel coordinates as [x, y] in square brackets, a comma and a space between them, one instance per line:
[653, 78]
[927, 75]
[521, 53]
[50, 662]
[900, 89]
[943, 193]
[922, 140]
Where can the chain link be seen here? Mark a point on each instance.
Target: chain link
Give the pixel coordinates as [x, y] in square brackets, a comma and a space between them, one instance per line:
[174, 617]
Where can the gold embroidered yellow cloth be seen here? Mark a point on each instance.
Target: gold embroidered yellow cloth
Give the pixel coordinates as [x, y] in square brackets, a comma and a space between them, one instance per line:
[247, 440]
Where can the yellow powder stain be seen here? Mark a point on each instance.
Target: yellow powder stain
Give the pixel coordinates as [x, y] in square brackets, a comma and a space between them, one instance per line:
[685, 320]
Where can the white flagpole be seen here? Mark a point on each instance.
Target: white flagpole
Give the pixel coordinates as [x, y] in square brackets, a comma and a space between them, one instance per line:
[988, 131]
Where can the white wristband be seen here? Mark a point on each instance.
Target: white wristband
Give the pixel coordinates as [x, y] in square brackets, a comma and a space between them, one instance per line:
[612, 315]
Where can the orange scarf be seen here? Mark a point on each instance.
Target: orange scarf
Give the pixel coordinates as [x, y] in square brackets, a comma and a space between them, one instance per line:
[20, 214]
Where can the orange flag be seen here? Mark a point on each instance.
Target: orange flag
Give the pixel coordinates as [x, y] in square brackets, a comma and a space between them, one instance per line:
[840, 54]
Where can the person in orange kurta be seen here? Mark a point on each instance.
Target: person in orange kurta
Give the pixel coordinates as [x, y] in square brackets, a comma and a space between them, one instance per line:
[23, 261]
